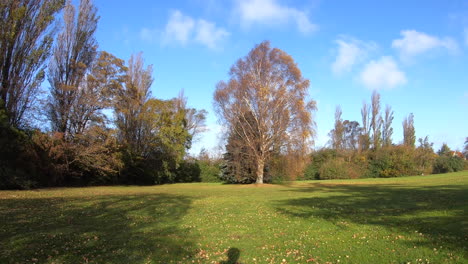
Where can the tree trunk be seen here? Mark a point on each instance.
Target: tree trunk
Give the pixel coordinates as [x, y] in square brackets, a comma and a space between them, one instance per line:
[260, 167]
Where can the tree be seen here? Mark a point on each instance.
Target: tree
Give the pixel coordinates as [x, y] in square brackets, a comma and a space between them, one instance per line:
[239, 160]
[424, 155]
[130, 101]
[98, 92]
[164, 138]
[267, 86]
[409, 137]
[376, 120]
[337, 134]
[387, 130]
[366, 128]
[26, 37]
[352, 132]
[447, 161]
[444, 150]
[425, 144]
[194, 118]
[73, 57]
[465, 149]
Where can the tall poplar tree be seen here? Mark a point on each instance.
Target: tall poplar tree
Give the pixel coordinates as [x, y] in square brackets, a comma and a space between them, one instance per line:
[73, 56]
[26, 37]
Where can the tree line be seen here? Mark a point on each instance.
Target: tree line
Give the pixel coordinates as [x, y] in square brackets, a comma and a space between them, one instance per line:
[98, 123]
[367, 150]
[105, 126]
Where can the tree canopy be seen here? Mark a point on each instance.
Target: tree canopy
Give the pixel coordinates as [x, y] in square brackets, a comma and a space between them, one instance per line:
[264, 103]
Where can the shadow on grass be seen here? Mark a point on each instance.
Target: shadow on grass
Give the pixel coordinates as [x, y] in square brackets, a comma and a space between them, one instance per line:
[233, 255]
[99, 229]
[440, 213]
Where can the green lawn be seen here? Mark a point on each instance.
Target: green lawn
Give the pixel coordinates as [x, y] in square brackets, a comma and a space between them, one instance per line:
[421, 219]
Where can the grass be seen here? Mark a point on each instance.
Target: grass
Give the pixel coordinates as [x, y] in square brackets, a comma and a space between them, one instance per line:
[422, 219]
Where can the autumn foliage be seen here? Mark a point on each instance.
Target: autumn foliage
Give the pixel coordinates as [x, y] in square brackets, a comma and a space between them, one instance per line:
[264, 105]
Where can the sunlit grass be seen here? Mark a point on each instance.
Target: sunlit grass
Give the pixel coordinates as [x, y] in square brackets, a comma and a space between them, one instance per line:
[421, 219]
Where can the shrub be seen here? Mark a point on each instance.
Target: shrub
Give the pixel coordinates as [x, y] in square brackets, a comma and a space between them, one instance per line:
[310, 172]
[18, 168]
[444, 164]
[394, 161]
[339, 169]
[209, 171]
[188, 171]
[317, 160]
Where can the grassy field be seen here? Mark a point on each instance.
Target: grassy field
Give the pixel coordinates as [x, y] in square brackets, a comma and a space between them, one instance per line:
[421, 219]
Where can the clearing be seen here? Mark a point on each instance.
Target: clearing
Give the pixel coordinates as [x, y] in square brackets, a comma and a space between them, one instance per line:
[421, 219]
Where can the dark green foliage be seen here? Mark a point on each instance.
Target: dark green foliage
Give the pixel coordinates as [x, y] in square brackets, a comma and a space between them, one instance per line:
[189, 171]
[239, 163]
[339, 169]
[237, 168]
[155, 169]
[318, 158]
[162, 141]
[333, 169]
[446, 163]
[210, 171]
[448, 160]
[395, 161]
[17, 167]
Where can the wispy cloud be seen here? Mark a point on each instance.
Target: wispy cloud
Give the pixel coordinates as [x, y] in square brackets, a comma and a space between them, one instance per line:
[414, 43]
[382, 74]
[208, 34]
[272, 13]
[351, 51]
[179, 28]
[182, 29]
[148, 34]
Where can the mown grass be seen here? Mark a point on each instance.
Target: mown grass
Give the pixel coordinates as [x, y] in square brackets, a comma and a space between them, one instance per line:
[421, 219]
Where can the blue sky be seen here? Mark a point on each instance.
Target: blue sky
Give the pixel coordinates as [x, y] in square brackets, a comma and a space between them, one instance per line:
[415, 53]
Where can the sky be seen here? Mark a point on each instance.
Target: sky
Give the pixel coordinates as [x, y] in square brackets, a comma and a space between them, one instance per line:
[414, 53]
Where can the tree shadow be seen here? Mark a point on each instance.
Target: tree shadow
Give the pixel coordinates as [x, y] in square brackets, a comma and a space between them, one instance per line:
[98, 229]
[233, 255]
[440, 212]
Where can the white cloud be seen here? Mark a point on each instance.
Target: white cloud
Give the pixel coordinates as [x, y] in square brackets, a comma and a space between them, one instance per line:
[208, 35]
[351, 51]
[178, 28]
[271, 13]
[184, 29]
[382, 74]
[415, 43]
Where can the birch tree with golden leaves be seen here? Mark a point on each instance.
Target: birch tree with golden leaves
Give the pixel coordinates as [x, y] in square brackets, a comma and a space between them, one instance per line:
[265, 103]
